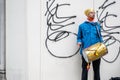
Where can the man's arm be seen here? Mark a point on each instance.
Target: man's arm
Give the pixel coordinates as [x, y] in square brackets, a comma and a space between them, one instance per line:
[79, 36]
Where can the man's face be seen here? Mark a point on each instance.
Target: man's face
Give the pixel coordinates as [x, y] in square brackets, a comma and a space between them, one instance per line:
[91, 15]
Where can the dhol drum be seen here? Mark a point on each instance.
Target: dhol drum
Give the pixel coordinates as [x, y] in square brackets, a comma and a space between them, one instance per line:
[95, 52]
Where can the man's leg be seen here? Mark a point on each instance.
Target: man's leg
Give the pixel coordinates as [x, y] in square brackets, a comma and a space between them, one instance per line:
[96, 69]
[84, 69]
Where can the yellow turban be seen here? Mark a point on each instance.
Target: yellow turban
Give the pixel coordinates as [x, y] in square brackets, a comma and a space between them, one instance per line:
[87, 11]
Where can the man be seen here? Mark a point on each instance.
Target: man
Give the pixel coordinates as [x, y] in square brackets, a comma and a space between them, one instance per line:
[89, 33]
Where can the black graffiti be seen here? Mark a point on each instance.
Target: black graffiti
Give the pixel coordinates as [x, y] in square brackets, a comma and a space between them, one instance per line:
[102, 16]
[55, 24]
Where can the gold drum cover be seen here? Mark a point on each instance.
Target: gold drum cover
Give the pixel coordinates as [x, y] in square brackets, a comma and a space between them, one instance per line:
[95, 52]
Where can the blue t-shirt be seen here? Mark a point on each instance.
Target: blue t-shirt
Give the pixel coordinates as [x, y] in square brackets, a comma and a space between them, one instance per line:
[89, 33]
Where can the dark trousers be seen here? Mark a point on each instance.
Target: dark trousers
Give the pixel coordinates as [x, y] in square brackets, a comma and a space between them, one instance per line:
[96, 69]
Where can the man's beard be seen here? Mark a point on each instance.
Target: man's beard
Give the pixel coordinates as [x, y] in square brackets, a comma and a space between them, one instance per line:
[90, 18]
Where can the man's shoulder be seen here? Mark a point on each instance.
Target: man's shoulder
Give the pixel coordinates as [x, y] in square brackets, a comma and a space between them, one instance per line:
[83, 24]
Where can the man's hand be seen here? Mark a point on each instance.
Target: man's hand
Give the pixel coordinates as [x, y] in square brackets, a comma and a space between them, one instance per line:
[78, 44]
[88, 66]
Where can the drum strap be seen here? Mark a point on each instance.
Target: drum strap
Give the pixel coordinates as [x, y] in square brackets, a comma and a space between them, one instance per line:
[97, 30]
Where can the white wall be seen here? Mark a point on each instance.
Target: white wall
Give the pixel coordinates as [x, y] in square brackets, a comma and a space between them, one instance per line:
[62, 68]
[16, 40]
[33, 36]
[23, 39]
[26, 32]
[70, 68]
[109, 70]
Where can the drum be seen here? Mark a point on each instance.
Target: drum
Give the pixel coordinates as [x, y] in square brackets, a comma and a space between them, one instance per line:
[95, 52]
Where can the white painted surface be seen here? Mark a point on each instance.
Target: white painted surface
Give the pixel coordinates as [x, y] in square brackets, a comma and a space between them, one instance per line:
[27, 55]
[70, 69]
[16, 40]
[33, 37]
[23, 39]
